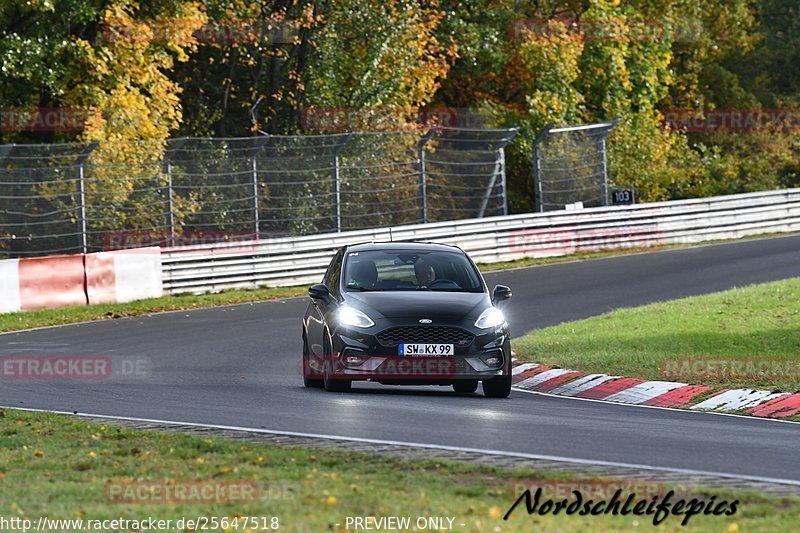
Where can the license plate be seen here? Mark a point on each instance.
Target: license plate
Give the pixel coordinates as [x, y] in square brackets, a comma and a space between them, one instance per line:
[425, 350]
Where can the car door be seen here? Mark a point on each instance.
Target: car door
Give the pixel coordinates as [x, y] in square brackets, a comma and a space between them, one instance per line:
[318, 310]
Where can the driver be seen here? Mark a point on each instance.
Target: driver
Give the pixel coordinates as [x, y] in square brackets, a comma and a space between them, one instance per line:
[425, 273]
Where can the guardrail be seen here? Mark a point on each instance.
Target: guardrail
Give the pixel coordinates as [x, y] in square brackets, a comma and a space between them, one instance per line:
[302, 260]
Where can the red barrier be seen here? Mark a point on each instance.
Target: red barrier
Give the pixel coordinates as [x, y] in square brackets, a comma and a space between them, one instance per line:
[55, 281]
[101, 279]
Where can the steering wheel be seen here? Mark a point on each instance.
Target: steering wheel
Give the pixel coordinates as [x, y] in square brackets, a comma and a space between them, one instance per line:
[444, 283]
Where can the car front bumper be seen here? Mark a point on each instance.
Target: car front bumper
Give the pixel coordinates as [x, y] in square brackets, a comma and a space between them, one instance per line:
[364, 354]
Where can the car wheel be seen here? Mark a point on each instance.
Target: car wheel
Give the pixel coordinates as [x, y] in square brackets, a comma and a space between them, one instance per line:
[329, 382]
[499, 387]
[465, 385]
[308, 381]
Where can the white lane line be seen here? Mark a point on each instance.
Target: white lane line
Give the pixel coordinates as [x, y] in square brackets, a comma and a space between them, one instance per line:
[428, 446]
[737, 399]
[644, 391]
[581, 384]
[522, 368]
[541, 378]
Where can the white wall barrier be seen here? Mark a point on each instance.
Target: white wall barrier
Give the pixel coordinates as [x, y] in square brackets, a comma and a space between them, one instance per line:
[56, 281]
[10, 300]
[123, 276]
[302, 260]
[41, 282]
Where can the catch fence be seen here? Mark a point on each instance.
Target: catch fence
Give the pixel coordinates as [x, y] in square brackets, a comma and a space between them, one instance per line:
[84, 197]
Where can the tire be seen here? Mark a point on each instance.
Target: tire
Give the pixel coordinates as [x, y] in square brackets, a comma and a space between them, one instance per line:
[330, 383]
[499, 387]
[314, 383]
[465, 385]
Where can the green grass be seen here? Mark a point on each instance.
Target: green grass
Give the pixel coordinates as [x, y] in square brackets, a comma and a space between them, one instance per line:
[59, 466]
[84, 313]
[749, 324]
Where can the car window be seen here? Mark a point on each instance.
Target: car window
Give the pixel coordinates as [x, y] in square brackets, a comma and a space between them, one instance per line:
[333, 274]
[395, 270]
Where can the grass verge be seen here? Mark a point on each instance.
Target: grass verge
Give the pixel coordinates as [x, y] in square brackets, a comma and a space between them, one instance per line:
[85, 313]
[65, 468]
[743, 327]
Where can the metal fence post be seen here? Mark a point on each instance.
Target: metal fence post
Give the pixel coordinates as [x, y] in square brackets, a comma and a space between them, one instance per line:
[490, 187]
[260, 142]
[337, 194]
[82, 210]
[172, 147]
[82, 222]
[604, 192]
[423, 185]
[538, 206]
[170, 210]
[337, 181]
[254, 170]
[604, 182]
[503, 190]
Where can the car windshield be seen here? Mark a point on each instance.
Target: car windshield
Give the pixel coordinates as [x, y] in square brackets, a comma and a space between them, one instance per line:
[399, 270]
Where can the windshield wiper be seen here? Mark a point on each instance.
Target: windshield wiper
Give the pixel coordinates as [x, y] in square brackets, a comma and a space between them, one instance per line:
[358, 288]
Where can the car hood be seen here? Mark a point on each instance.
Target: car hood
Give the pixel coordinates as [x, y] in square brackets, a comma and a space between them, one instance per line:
[436, 305]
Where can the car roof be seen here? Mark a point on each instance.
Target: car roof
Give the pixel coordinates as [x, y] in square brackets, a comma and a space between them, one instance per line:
[413, 246]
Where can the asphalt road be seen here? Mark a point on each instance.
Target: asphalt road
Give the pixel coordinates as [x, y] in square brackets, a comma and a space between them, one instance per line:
[240, 366]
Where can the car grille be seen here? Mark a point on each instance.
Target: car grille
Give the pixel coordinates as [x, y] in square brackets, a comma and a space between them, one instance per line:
[425, 335]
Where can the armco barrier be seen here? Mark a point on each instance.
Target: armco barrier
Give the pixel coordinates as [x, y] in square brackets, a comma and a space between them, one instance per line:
[57, 281]
[302, 260]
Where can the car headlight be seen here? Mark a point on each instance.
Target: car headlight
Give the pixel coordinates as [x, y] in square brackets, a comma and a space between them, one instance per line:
[491, 318]
[353, 317]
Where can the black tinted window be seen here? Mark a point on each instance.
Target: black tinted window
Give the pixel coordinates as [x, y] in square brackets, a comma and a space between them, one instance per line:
[393, 270]
[334, 272]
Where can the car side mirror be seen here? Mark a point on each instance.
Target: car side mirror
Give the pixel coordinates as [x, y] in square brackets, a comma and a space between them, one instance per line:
[319, 292]
[501, 293]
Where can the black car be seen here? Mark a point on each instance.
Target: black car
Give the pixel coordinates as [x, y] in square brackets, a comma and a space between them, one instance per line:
[406, 314]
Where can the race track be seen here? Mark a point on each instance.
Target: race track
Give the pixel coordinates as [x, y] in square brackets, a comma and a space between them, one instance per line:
[239, 366]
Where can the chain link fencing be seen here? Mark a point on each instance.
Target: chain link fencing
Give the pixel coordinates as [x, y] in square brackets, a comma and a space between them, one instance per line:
[84, 197]
[570, 165]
